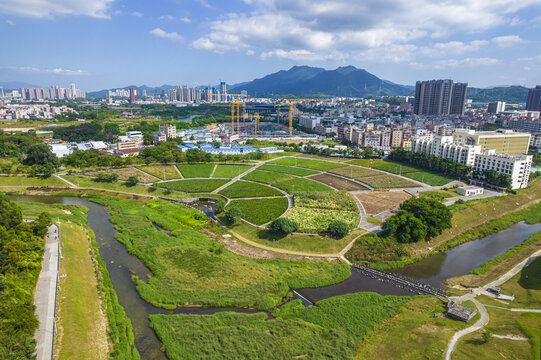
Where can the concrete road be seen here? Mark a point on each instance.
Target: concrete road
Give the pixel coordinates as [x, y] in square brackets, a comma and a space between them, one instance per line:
[45, 296]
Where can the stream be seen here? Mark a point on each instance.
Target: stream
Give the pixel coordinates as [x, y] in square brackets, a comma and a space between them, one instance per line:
[433, 270]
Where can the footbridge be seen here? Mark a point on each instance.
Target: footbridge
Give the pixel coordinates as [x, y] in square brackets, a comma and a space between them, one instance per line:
[400, 281]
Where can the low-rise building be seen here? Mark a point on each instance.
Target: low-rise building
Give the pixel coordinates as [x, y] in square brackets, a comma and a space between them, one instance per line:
[469, 190]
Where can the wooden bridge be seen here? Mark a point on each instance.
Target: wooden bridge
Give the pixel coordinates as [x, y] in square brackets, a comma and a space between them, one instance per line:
[400, 281]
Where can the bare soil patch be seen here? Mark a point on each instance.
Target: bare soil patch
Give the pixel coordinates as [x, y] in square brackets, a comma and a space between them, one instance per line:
[378, 201]
[337, 182]
[125, 173]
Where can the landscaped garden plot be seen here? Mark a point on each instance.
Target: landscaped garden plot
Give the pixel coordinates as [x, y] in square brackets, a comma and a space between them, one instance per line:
[196, 170]
[229, 171]
[387, 182]
[260, 211]
[314, 211]
[376, 202]
[192, 268]
[267, 177]
[395, 168]
[159, 171]
[333, 328]
[320, 157]
[439, 195]
[367, 162]
[287, 170]
[426, 177]
[308, 163]
[296, 185]
[355, 172]
[194, 185]
[244, 189]
[31, 181]
[125, 173]
[337, 182]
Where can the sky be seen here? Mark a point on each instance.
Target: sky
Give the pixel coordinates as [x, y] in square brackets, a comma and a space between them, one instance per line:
[99, 44]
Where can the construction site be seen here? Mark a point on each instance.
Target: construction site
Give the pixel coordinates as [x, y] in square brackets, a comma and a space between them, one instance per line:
[257, 120]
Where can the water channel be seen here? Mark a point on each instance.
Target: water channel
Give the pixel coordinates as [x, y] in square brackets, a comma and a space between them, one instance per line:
[188, 118]
[121, 265]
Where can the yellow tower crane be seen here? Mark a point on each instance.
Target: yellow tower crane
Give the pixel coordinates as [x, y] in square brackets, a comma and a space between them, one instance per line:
[235, 102]
[290, 102]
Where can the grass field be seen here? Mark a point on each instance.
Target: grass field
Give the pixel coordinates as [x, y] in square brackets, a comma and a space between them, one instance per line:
[229, 171]
[307, 243]
[260, 211]
[338, 183]
[412, 334]
[308, 163]
[378, 201]
[426, 177]
[125, 173]
[158, 171]
[243, 189]
[320, 157]
[440, 195]
[194, 185]
[31, 181]
[267, 177]
[387, 182]
[285, 182]
[374, 221]
[370, 163]
[526, 286]
[331, 329]
[355, 172]
[196, 170]
[503, 323]
[287, 170]
[81, 323]
[314, 211]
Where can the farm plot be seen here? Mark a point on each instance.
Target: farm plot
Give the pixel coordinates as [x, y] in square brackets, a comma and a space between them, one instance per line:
[229, 171]
[426, 177]
[243, 189]
[260, 211]
[125, 173]
[355, 172]
[301, 184]
[319, 157]
[387, 182]
[378, 201]
[308, 163]
[287, 170]
[194, 185]
[314, 211]
[196, 170]
[337, 182]
[367, 162]
[267, 177]
[169, 171]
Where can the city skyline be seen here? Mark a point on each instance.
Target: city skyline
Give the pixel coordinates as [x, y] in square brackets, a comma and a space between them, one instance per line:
[115, 43]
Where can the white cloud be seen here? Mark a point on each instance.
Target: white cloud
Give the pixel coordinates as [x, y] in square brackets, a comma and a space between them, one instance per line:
[171, 36]
[51, 8]
[136, 14]
[454, 63]
[508, 40]
[56, 71]
[166, 17]
[204, 3]
[186, 20]
[351, 28]
[250, 52]
[9, 22]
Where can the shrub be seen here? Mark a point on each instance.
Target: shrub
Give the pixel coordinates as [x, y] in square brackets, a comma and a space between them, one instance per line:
[283, 226]
[220, 205]
[132, 181]
[233, 215]
[338, 228]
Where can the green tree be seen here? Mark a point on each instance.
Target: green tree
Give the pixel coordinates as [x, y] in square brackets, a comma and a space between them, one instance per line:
[233, 215]
[405, 227]
[40, 154]
[432, 213]
[41, 224]
[338, 228]
[283, 226]
[132, 181]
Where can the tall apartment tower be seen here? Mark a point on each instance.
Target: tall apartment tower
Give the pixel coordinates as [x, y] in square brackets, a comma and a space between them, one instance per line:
[439, 97]
[132, 95]
[496, 107]
[534, 99]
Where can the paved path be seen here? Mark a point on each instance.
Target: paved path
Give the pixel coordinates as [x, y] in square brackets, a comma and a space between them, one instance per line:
[66, 181]
[236, 178]
[478, 325]
[468, 198]
[45, 296]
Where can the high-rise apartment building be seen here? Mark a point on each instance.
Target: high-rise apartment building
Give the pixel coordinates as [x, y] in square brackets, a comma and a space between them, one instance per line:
[534, 99]
[496, 107]
[439, 97]
[132, 95]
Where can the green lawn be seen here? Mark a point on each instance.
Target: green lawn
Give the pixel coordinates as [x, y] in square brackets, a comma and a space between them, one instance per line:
[192, 268]
[331, 329]
[300, 184]
[243, 189]
[308, 163]
[196, 170]
[194, 185]
[526, 286]
[267, 177]
[229, 171]
[159, 171]
[421, 175]
[31, 181]
[260, 211]
[367, 162]
[439, 195]
[287, 170]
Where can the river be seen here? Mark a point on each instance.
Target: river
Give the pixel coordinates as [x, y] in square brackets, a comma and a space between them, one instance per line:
[188, 118]
[433, 270]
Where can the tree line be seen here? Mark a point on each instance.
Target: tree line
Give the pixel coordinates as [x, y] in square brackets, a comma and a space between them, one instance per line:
[433, 163]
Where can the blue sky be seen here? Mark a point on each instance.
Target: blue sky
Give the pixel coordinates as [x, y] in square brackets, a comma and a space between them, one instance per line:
[114, 43]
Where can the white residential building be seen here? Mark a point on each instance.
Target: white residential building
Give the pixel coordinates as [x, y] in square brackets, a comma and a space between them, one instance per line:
[309, 122]
[170, 131]
[517, 167]
[444, 147]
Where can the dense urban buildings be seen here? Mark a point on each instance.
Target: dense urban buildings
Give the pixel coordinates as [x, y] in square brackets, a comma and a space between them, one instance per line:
[52, 93]
[502, 141]
[534, 99]
[439, 97]
[496, 107]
